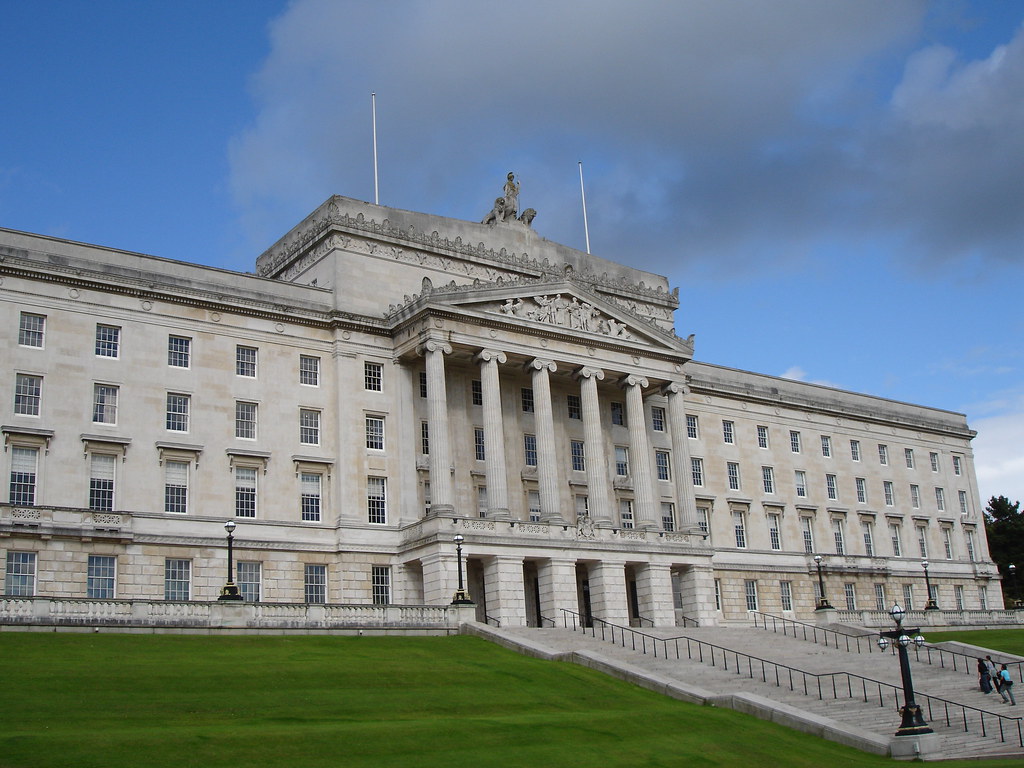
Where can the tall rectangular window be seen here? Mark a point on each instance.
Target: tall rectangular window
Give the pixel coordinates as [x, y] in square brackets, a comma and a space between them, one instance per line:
[377, 500]
[704, 521]
[896, 537]
[908, 596]
[309, 426]
[940, 499]
[374, 433]
[621, 460]
[576, 451]
[922, 540]
[425, 438]
[883, 454]
[657, 418]
[311, 494]
[807, 530]
[888, 493]
[826, 446]
[768, 478]
[31, 329]
[794, 441]
[179, 351]
[969, 538]
[915, 496]
[958, 466]
[855, 450]
[245, 492]
[626, 512]
[108, 341]
[908, 457]
[947, 542]
[177, 579]
[373, 377]
[668, 516]
[831, 489]
[732, 472]
[774, 531]
[958, 593]
[309, 370]
[481, 501]
[691, 427]
[423, 383]
[837, 534]
[245, 361]
[479, 448]
[315, 583]
[533, 509]
[101, 482]
[800, 481]
[249, 578]
[850, 593]
[101, 573]
[718, 594]
[24, 463]
[868, 530]
[526, 399]
[762, 436]
[696, 468]
[176, 487]
[786, 595]
[862, 490]
[574, 407]
[28, 394]
[983, 598]
[476, 392]
[728, 432]
[739, 527]
[20, 576]
[880, 597]
[245, 420]
[104, 404]
[176, 418]
[750, 591]
[618, 414]
[530, 450]
[381, 584]
[962, 497]
[933, 458]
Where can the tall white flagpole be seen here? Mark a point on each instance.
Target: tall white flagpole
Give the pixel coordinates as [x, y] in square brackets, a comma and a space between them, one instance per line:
[583, 194]
[376, 188]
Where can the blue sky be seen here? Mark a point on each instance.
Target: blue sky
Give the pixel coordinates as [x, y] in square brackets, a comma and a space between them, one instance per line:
[836, 188]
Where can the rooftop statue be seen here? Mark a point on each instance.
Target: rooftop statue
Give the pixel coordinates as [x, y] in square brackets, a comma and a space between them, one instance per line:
[506, 207]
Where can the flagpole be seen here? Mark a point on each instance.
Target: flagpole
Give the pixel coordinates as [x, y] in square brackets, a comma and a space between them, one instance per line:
[583, 194]
[376, 188]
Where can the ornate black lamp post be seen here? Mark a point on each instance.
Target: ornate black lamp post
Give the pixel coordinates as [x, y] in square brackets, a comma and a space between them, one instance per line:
[1014, 599]
[461, 596]
[930, 604]
[230, 590]
[913, 722]
[823, 602]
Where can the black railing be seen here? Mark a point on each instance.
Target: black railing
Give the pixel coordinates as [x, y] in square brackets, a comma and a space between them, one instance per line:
[833, 684]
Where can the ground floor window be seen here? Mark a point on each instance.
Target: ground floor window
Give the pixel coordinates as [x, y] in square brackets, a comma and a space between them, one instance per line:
[381, 585]
[750, 589]
[786, 594]
[316, 583]
[177, 579]
[100, 577]
[249, 580]
[20, 579]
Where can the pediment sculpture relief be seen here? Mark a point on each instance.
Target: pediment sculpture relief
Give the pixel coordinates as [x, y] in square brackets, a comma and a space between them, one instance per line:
[568, 313]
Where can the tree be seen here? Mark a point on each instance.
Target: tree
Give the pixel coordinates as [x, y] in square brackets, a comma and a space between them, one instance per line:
[1004, 527]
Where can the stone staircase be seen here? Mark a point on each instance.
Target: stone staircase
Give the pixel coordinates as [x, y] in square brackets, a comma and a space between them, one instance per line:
[852, 712]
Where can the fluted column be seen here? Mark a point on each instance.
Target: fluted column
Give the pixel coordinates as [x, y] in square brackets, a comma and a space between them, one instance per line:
[547, 467]
[675, 392]
[644, 507]
[441, 496]
[599, 495]
[494, 435]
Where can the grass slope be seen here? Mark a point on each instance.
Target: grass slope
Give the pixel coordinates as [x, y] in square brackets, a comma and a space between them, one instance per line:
[1005, 640]
[170, 700]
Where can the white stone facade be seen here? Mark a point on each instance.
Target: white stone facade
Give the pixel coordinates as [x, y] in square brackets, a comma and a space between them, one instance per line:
[389, 379]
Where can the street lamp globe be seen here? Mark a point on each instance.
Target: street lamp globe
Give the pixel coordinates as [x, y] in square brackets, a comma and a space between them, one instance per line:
[897, 613]
[229, 526]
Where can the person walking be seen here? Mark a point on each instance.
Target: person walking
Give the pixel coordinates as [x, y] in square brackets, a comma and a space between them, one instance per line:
[1006, 686]
[984, 678]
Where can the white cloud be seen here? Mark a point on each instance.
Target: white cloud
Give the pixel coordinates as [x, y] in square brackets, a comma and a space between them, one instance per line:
[999, 455]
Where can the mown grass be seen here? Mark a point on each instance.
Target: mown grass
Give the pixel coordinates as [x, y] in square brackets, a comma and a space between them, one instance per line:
[1005, 640]
[109, 700]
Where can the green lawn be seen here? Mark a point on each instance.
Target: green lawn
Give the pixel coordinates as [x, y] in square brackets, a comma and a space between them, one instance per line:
[1006, 640]
[113, 700]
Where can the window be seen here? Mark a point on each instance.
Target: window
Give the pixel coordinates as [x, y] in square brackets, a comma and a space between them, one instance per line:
[481, 501]
[718, 594]
[934, 459]
[868, 530]
[245, 420]
[24, 462]
[826, 446]
[626, 512]
[101, 482]
[862, 490]
[830, 487]
[837, 534]
[31, 329]
[696, 468]
[880, 604]
[309, 371]
[248, 580]
[373, 377]
[851, 596]
[887, 491]
[100, 577]
[177, 579]
[962, 497]
[794, 441]
[426, 498]
[316, 583]
[618, 414]
[582, 506]
[668, 516]
[915, 496]
[176, 419]
[381, 583]
[895, 536]
[958, 592]
[533, 506]
[786, 595]
[423, 383]
[176, 487]
[768, 479]
[691, 427]
[732, 471]
[933, 593]
[958, 466]
[774, 532]
[311, 493]
[108, 341]
[806, 528]
[947, 542]
[908, 456]
[309, 426]
[526, 397]
[476, 392]
[104, 404]
[703, 520]
[574, 407]
[922, 540]
[576, 450]
[908, 596]
[657, 418]
[940, 499]
[728, 432]
[179, 351]
[530, 450]
[969, 537]
[375, 433]
[245, 361]
[855, 450]
[376, 500]
[983, 598]
[750, 590]
[245, 492]
[762, 437]
[883, 454]
[424, 438]
[20, 577]
[739, 527]
[28, 391]
[479, 449]
[621, 460]
[800, 481]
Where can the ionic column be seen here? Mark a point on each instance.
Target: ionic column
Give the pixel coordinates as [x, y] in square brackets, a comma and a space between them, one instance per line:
[644, 506]
[547, 469]
[675, 391]
[441, 496]
[599, 495]
[494, 435]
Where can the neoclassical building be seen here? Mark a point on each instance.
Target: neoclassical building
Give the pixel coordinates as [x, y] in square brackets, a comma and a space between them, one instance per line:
[387, 380]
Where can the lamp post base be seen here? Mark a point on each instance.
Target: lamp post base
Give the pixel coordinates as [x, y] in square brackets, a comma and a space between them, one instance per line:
[931, 605]
[824, 605]
[230, 592]
[462, 598]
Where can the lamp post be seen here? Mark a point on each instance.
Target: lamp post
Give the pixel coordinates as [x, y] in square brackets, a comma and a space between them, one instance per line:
[930, 604]
[461, 595]
[230, 590]
[1015, 601]
[913, 722]
[823, 602]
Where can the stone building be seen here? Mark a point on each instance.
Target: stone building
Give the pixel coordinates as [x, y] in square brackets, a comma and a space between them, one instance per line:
[388, 379]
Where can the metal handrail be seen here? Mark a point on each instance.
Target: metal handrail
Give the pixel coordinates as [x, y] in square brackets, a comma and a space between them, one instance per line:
[744, 663]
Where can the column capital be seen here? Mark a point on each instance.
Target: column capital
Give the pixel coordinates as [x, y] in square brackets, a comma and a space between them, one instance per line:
[677, 387]
[633, 380]
[487, 355]
[539, 364]
[435, 345]
[587, 373]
